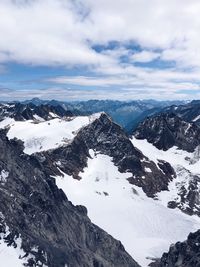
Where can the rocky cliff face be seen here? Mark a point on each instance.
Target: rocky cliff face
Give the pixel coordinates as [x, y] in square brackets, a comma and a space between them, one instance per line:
[182, 254]
[108, 138]
[52, 231]
[167, 130]
[30, 111]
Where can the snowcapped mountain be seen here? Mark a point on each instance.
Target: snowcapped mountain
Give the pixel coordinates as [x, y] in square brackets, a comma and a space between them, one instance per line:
[143, 190]
[39, 226]
[126, 113]
[99, 133]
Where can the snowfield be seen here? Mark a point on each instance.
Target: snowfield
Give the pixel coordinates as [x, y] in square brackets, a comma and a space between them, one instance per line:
[144, 226]
[44, 135]
[184, 163]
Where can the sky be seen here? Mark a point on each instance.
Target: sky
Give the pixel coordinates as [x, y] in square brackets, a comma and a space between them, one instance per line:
[100, 49]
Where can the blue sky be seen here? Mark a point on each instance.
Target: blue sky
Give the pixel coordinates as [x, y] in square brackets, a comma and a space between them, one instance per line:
[104, 49]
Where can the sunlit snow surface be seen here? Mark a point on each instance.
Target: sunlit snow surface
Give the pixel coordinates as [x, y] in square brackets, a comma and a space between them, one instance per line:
[184, 163]
[44, 135]
[9, 256]
[145, 226]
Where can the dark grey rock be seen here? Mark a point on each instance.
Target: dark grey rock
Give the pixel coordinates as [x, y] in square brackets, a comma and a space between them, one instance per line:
[167, 130]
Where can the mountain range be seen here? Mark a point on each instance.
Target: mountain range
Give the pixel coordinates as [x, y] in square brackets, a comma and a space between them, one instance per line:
[69, 170]
[125, 113]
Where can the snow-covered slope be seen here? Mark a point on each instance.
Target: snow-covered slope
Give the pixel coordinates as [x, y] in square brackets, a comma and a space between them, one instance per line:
[145, 226]
[43, 135]
[173, 155]
[184, 190]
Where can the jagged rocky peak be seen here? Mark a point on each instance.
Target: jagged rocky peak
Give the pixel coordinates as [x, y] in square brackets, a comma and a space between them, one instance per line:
[190, 112]
[166, 130]
[37, 218]
[182, 254]
[104, 136]
[30, 111]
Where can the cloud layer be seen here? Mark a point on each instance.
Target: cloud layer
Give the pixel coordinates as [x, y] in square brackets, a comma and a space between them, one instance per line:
[134, 44]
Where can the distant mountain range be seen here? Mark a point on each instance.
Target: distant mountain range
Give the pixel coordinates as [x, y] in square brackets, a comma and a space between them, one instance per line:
[126, 114]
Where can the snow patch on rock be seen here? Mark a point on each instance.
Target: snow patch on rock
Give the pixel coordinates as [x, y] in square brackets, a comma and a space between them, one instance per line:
[3, 176]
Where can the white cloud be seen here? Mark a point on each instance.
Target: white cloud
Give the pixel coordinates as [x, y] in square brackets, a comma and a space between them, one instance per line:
[157, 82]
[63, 32]
[44, 32]
[145, 56]
[87, 81]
